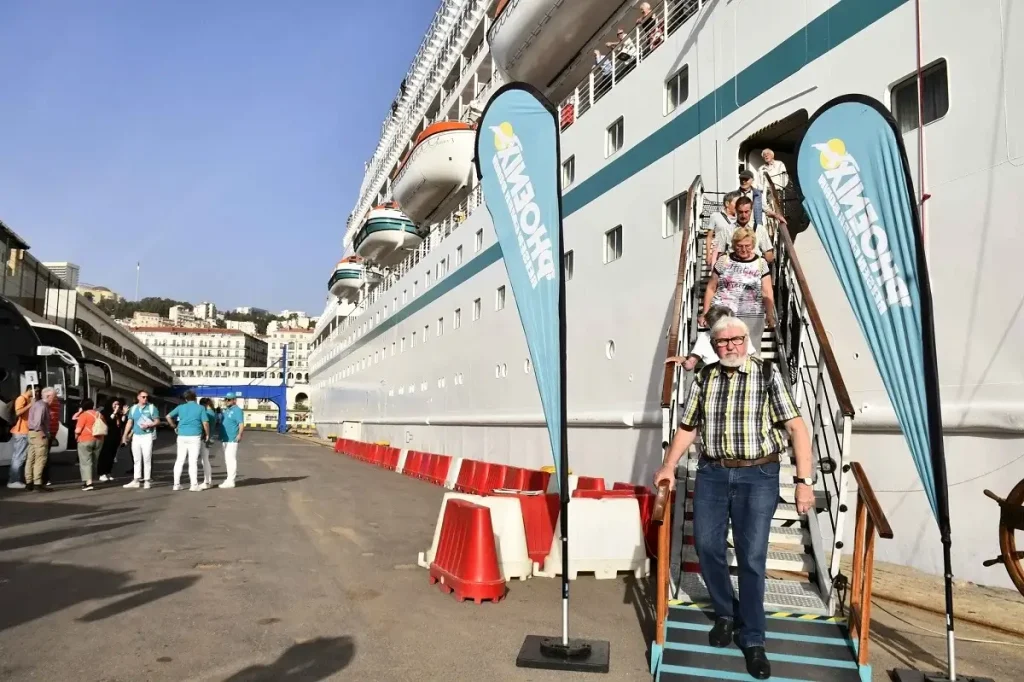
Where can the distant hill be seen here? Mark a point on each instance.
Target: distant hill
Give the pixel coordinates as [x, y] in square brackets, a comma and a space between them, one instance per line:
[120, 309]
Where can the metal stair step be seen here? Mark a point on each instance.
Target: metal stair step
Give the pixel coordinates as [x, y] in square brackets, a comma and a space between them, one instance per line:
[796, 536]
[797, 562]
[810, 648]
[789, 596]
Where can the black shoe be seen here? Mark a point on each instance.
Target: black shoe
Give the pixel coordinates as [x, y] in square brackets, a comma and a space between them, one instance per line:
[721, 635]
[42, 489]
[29, 487]
[757, 663]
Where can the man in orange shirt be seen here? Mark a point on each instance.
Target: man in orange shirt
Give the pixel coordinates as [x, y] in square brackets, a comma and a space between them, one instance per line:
[19, 438]
[89, 443]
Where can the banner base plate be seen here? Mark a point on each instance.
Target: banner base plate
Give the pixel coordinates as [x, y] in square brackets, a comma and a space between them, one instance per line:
[905, 675]
[547, 653]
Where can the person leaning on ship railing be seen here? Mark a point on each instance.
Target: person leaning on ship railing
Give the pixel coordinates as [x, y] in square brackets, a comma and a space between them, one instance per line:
[741, 406]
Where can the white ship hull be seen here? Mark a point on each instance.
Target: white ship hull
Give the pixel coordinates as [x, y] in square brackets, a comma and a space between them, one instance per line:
[470, 392]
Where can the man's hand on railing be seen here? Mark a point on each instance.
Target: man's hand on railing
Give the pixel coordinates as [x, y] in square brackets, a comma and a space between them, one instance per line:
[666, 474]
[688, 363]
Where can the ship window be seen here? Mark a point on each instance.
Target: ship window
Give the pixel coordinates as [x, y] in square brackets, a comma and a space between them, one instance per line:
[415, 285]
[426, 285]
[674, 209]
[568, 261]
[499, 298]
[478, 240]
[613, 244]
[613, 137]
[457, 318]
[935, 86]
[402, 348]
[392, 349]
[405, 296]
[426, 332]
[440, 326]
[458, 256]
[568, 171]
[677, 89]
[476, 309]
[376, 359]
[412, 341]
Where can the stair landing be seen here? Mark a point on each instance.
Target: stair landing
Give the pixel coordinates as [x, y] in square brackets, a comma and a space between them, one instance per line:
[801, 649]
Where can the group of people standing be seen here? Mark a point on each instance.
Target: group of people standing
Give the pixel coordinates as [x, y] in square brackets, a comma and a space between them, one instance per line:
[101, 433]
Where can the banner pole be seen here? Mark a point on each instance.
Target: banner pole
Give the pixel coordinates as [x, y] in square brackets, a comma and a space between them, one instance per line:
[563, 465]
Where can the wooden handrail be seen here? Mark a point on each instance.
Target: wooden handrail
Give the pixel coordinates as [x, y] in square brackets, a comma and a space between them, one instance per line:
[677, 299]
[663, 516]
[874, 509]
[871, 522]
[827, 354]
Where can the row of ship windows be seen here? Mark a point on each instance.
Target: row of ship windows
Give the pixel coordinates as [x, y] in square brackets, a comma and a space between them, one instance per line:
[902, 102]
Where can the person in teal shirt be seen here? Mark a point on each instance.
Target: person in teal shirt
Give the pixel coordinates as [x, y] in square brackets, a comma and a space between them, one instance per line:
[211, 420]
[192, 427]
[232, 425]
[140, 429]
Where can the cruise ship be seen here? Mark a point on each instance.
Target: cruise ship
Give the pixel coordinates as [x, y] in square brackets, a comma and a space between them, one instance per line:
[660, 106]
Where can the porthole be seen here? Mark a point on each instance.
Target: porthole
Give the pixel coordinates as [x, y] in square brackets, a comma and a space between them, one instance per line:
[609, 350]
[526, 366]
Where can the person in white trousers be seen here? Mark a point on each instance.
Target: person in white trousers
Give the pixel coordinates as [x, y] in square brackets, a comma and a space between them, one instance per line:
[212, 422]
[140, 430]
[232, 424]
[192, 427]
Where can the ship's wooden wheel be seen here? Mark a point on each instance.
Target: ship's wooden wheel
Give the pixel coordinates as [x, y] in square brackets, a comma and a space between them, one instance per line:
[1011, 520]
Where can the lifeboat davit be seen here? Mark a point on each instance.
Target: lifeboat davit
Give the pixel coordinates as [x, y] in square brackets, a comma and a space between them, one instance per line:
[532, 40]
[349, 277]
[439, 165]
[387, 236]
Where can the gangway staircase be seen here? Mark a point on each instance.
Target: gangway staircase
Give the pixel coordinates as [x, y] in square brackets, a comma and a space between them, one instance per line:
[813, 632]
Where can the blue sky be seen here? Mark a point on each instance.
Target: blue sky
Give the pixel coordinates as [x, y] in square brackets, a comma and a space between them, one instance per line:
[220, 142]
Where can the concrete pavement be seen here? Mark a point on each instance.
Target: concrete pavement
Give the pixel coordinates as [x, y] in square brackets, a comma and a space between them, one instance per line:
[307, 572]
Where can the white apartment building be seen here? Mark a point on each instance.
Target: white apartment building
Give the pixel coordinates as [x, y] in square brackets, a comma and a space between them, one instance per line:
[299, 343]
[65, 270]
[199, 354]
[181, 316]
[205, 311]
[144, 319]
[249, 310]
[242, 326]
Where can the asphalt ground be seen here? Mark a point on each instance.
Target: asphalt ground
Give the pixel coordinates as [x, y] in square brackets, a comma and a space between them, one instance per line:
[307, 571]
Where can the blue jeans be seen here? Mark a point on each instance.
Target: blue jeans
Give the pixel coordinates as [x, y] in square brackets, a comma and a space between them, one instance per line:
[748, 496]
[19, 443]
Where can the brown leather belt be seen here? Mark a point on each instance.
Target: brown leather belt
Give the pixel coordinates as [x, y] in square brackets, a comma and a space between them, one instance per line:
[739, 463]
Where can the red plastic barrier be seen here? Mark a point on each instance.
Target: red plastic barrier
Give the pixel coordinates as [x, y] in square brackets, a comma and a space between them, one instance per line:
[466, 473]
[540, 514]
[602, 494]
[537, 480]
[515, 478]
[427, 471]
[495, 478]
[589, 483]
[439, 470]
[338, 445]
[467, 560]
[480, 474]
[629, 486]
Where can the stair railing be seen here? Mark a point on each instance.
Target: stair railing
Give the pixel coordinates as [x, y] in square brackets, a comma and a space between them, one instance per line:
[804, 349]
[871, 522]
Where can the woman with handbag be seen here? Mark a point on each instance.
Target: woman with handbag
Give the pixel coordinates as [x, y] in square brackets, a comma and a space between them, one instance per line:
[114, 420]
[90, 431]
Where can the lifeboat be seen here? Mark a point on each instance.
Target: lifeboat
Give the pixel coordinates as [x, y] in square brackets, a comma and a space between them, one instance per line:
[349, 277]
[439, 165]
[533, 40]
[387, 236]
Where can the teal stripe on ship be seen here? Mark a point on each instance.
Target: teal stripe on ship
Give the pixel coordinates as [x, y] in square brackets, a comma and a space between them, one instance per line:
[844, 20]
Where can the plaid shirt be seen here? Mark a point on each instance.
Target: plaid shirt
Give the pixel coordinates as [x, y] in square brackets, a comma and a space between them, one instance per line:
[738, 411]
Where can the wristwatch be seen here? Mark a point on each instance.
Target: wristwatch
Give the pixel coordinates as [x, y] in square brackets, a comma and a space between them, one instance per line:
[805, 481]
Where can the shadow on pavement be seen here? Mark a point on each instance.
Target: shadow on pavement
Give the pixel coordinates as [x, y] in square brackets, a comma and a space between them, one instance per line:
[35, 508]
[263, 481]
[43, 537]
[309, 661]
[640, 594]
[902, 649]
[100, 513]
[33, 590]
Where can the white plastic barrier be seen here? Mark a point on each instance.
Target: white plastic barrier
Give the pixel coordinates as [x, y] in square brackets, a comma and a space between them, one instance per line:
[453, 473]
[401, 461]
[509, 534]
[605, 537]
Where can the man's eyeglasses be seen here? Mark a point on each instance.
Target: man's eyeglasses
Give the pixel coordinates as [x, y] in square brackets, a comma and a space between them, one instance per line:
[731, 341]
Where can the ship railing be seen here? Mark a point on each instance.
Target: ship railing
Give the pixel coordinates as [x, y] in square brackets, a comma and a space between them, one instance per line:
[414, 113]
[611, 68]
[804, 354]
